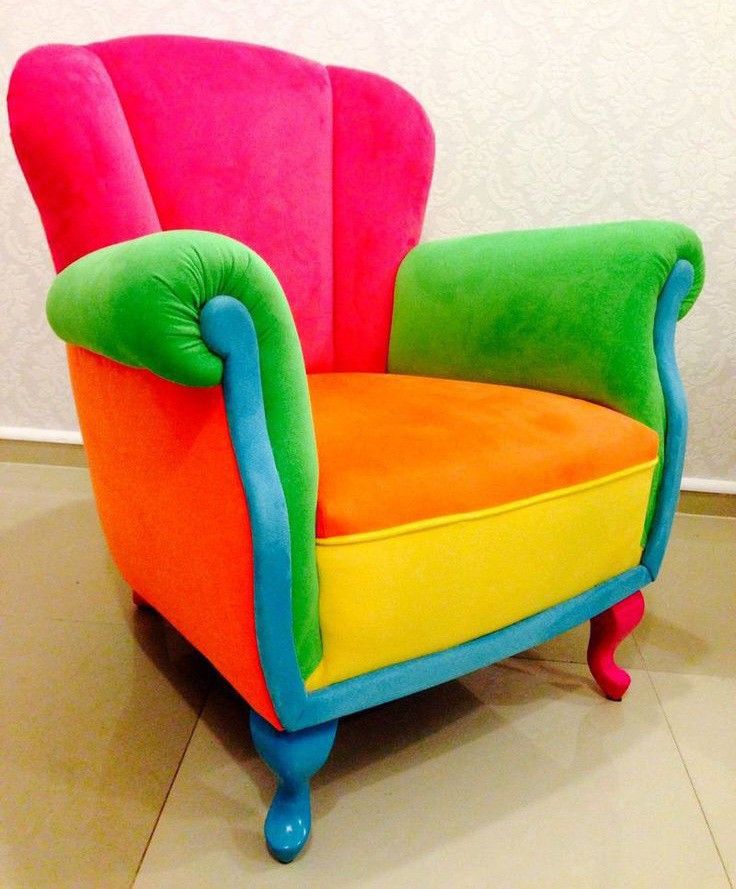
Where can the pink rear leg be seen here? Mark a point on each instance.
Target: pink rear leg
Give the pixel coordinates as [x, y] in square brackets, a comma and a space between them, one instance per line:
[607, 630]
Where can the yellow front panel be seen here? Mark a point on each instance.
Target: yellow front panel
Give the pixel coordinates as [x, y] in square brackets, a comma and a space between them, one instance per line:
[392, 595]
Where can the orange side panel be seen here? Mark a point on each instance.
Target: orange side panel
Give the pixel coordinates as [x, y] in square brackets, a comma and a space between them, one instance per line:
[173, 510]
[398, 449]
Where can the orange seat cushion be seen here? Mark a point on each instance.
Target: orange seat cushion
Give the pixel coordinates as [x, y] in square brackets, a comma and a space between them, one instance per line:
[399, 449]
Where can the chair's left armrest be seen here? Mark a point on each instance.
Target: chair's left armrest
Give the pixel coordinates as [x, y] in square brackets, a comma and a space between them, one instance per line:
[146, 303]
[139, 302]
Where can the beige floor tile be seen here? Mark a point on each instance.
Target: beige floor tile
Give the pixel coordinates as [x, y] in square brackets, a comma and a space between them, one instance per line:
[55, 561]
[98, 701]
[95, 719]
[702, 714]
[519, 776]
[29, 478]
[571, 647]
[98, 704]
[691, 609]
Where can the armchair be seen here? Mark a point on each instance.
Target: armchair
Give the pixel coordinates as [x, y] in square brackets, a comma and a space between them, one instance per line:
[344, 466]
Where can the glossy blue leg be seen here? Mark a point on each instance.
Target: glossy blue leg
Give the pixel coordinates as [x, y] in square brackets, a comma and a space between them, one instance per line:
[294, 757]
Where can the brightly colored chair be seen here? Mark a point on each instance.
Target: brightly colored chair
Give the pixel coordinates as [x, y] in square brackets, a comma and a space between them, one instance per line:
[345, 467]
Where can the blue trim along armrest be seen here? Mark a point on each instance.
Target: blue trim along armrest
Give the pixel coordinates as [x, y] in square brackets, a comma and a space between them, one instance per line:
[228, 331]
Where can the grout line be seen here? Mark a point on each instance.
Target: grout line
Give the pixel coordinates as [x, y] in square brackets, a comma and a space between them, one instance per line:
[205, 699]
[638, 647]
[671, 671]
[523, 656]
[690, 777]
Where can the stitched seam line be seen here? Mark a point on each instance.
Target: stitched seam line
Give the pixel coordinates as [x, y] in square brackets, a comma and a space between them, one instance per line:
[440, 521]
[89, 48]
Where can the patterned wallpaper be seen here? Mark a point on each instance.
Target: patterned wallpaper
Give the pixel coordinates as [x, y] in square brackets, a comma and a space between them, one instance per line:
[547, 112]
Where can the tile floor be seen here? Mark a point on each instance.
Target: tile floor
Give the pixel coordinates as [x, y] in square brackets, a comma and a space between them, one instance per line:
[125, 761]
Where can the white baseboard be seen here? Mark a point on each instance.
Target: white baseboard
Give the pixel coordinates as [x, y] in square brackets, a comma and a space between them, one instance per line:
[708, 485]
[68, 436]
[48, 436]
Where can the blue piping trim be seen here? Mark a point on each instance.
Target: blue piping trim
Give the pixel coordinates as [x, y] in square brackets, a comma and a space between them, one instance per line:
[228, 330]
[676, 288]
[408, 677]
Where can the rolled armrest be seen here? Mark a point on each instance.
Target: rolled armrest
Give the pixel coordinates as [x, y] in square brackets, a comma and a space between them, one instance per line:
[139, 303]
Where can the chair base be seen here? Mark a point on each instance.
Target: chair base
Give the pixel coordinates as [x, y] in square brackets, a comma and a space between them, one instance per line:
[294, 757]
[140, 602]
[607, 630]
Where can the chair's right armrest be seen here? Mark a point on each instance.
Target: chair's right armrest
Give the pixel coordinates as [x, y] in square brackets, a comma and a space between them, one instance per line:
[569, 310]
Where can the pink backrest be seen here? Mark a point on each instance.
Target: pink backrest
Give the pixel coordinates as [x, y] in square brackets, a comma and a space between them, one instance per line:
[323, 171]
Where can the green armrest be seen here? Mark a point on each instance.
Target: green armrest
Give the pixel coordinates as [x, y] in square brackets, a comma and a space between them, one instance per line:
[568, 310]
[139, 302]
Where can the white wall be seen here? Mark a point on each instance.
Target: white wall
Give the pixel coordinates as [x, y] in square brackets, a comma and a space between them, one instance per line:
[547, 112]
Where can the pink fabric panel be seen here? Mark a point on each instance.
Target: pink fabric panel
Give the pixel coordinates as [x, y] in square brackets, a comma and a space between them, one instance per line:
[383, 149]
[237, 139]
[75, 149]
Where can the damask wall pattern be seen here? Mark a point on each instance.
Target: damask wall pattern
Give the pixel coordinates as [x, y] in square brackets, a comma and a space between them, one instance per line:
[547, 112]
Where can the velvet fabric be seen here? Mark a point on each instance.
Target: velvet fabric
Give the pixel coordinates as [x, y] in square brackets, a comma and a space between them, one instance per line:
[237, 139]
[382, 162]
[324, 172]
[566, 310]
[125, 138]
[169, 496]
[391, 596]
[399, 680]
[138, 303]
[395, 449]
[77, 153]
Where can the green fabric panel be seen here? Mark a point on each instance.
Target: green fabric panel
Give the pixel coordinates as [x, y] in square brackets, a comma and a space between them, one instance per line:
[569, 310]
[139, 302]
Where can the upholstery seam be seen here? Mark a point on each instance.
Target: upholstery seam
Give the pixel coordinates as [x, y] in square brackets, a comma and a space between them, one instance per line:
[475, 515]
[88, 47]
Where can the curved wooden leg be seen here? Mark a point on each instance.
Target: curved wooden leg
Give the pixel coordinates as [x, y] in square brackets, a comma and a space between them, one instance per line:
[294, 757]
[607, 630]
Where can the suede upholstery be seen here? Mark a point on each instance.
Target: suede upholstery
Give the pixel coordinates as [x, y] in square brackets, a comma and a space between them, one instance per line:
[279, 172]
[127, 137]
[173, 511]
[567, 310]
[139, 302]
[394, 450]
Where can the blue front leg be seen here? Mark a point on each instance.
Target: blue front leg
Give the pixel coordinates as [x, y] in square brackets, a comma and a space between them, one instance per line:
[294, 757]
